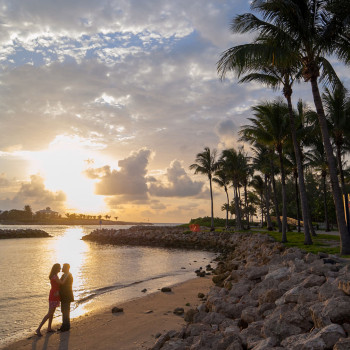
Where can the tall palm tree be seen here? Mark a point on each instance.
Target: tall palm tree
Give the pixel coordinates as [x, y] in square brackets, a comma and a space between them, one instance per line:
[275, 77]
[222, 179]
[337, 106]
[307, 31]
[205, 164]
[271, 128]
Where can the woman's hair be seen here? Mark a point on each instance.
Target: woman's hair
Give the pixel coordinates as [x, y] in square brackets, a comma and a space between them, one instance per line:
[56, 268]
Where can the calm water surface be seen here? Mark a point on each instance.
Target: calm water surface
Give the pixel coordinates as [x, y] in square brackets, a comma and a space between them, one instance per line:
[103, 275]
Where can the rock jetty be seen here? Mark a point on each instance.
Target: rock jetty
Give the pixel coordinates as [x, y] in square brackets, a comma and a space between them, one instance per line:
[267, 296]
[23, 233]
[163, 236]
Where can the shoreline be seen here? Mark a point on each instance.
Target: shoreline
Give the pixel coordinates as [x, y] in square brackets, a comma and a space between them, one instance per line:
[135, 328]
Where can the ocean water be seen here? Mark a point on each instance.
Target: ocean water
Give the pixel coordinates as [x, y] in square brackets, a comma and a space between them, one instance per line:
[104, 275]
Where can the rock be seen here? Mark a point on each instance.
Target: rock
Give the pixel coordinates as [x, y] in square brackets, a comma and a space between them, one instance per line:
[342, 344]
[166, 289]
[189, 315]
[144, 290]
[329, 290]
[162, 339]
[282, 323]
[270, 296]
[201, 295]
[179, 311]
[257, 272]
[313, 280]
[321, 339]
[250, 314]
[117, 310]
[344, 285]
[279, 274]
[265, 344]
[148, 311]
[333, 310]
[218, 279]
[202, 308]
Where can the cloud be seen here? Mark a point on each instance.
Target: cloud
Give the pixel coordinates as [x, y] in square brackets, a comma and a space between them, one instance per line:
[36, 195]
[130, 181]
[179, 183]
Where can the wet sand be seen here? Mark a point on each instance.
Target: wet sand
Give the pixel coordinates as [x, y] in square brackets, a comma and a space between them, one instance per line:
[133, 329]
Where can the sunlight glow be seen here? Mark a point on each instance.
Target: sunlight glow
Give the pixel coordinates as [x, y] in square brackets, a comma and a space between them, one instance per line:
[63, 164]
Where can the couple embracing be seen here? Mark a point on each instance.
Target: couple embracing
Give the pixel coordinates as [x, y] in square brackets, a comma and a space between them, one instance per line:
[61, 292]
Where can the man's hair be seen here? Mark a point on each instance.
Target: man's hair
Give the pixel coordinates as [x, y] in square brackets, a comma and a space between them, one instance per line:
[67, 265]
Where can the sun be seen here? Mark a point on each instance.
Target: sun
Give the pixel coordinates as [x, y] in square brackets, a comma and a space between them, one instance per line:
[63, 167]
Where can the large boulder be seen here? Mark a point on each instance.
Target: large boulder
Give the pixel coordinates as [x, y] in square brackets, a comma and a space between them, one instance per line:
[333, 310]
[318, 339]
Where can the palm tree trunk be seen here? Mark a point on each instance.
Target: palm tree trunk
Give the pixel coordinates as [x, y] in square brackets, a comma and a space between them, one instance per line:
[262, 208]
[337, 195]
[297, 200]
[325, 203]
[267, 203]
[275, 200]
[284, 199]
[246, 205]
[228, 204]
[343, 187]
[238, 217]
[212, 228]
[302, 187]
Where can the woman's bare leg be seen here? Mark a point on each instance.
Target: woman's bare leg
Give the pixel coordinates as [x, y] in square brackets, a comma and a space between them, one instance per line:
[46, 317]
[51, 312]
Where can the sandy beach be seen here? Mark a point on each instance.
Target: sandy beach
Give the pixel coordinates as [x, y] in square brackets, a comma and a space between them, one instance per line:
[135, 328]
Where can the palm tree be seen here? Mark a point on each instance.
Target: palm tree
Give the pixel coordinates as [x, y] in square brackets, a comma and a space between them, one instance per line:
[271, 128]
[301, 33]
[221, 178]
[206, 165]
[274, 77]
[337, 106]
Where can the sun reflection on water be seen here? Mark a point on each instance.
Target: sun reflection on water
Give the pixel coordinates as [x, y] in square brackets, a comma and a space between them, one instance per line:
[71, 249]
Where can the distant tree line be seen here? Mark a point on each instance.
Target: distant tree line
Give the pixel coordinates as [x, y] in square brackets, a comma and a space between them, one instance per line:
[27, 215]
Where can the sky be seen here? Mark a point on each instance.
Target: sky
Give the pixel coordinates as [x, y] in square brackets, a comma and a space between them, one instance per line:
[105, 104]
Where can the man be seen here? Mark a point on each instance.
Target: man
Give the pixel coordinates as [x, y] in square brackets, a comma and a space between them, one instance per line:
[66, 294]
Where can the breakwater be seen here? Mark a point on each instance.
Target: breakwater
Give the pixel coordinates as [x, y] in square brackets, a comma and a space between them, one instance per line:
[23, 233]
[163, 236]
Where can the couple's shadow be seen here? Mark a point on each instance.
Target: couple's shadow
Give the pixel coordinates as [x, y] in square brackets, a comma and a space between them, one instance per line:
[62, 345]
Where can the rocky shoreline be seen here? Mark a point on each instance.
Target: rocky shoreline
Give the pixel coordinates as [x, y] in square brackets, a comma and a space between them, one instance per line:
[265, 295]
[23, 233]
[163, 236]
[269, 297]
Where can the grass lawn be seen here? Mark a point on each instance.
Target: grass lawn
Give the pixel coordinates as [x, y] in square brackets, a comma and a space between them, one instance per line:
[322, 243]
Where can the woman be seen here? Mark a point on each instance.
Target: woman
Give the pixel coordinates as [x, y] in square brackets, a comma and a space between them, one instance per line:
[54, 297]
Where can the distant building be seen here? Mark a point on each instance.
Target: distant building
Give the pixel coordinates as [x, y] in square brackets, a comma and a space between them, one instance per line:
[47, 213]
